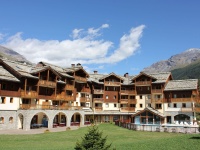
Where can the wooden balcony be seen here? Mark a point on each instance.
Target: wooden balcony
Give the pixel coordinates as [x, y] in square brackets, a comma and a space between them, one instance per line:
[156, 91]
[29, 94]
[128, 92]
[80, 79]
[98, 100]
[69, 98]
[49, 97]
[45, 83]
[48, 107]
[186, 109]
[154, 100]
[197, 109]
[110, 83]
[123, 101]
[127, 109]
[98, 108]
[10, 93]
[174, 100]
[132, 101]
[142, 83]
[98, 91]
[84, 99]
[86, 90]
[69, 87]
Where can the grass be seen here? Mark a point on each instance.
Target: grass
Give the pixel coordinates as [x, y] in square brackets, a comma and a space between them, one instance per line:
[121, 139]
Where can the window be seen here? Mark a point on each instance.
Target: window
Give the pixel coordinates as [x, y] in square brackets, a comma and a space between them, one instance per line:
[149, 104]
[132, 97]
[175, 105]
[1, 120]
[11, 120]
[2, 100]
[148, 88]
[11, 100]
[115, 105]
[169, 104]
[149, 96]
[114, 97]
[175, 96]
[3, 86]
[140, 105]
[184, 105]
[140, 96]
[106, 96]
[158, 106]
[140, 88]
[132, 105]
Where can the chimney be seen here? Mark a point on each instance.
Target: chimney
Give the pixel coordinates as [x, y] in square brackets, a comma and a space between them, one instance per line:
[95, 71]
[78, 64]
[72, 65]
[126, 75]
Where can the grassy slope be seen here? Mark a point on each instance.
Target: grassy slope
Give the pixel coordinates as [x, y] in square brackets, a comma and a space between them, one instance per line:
[121, 139]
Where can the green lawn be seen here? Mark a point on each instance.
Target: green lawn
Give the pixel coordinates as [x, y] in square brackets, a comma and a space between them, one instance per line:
[121, 139]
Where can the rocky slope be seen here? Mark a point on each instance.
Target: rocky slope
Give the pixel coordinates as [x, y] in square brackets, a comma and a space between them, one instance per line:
[177, 61]
[12, 55]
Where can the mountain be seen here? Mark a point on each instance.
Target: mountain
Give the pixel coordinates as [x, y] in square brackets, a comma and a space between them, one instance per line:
[12, 55]
[177, 61]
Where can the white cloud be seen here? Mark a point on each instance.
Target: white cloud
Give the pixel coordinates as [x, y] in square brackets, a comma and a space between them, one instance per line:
[83, 48]
[2, 36]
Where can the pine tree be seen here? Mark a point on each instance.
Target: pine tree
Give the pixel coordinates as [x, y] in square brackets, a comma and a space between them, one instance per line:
[93, 140]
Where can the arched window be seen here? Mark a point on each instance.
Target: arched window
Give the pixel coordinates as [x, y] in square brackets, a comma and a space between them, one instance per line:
[1, 120]
[11, 120]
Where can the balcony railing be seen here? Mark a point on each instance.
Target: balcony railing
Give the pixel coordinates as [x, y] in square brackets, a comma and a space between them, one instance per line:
[29, 94]
[182, 100]
[127, 109]
[156, 91]
[142, 83]
[186, 109]
[110, 83]
[87, 90]
[48, 107]
[69, 87]
[124, 101]
[81, 79]
[84, 99]
[132, 101]
[98, 108]
[98, 91]
[45, 83]
[98, 100]
[157, 100]
[128, 92]
[197, 109]
[50, 97]
[10, 93]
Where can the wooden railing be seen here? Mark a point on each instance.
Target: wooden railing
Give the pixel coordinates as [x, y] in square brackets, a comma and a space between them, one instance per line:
[123, 101]
[110, 83]
[84, 99]
[47, 83]
[156, 91]
[98, 108]
[132, 101]
[82, 79]
[52, 97]
[70, 87]
[98, 91]
[197, 109]
[160, 100]
[100, 100]
[143, 83]
[128, 92]
[87, 90]
[127, 109]
[10, 93]
[29, 94]
[186, 109]
[182, 100]
[49, 107]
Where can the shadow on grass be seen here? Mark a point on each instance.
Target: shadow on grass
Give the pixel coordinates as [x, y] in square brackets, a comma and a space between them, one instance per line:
[195, 138]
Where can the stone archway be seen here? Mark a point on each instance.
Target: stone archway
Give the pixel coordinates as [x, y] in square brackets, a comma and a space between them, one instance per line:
[20, 121]
[76, 119]
[60, 119]
[39, 119]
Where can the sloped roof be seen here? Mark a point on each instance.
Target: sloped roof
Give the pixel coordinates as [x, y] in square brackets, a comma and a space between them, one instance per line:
[5, 75]
[189, 84]
[112, 73]
[143, 73]
[160, 77]
[154, 111]
[95, 78]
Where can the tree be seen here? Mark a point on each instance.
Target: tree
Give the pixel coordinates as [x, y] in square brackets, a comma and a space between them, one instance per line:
[93, 140]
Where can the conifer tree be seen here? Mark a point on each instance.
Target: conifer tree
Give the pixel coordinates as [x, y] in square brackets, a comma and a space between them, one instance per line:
[93, 140]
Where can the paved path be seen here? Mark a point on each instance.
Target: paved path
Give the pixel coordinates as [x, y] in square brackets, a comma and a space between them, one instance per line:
[36, 131]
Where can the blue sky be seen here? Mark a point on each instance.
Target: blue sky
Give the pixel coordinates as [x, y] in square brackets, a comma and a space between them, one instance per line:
[106, 35]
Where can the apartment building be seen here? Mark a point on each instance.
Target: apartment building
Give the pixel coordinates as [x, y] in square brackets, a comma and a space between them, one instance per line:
[46, 95]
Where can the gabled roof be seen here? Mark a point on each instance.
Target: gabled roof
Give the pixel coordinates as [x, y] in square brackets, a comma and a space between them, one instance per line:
[5, 75]
[95, 78]
[75, 69]
[150, 109]
[189, 84]
[161, 77]
[60, 70]
[112, 74]
[143, 73]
